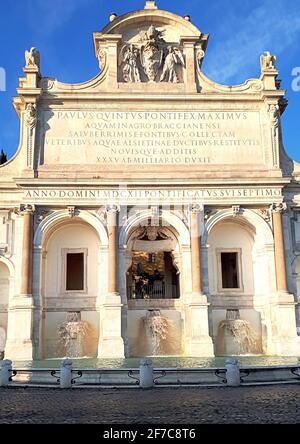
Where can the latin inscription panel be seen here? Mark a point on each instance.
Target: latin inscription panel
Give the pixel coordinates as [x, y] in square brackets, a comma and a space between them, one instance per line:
[152, 138]
[124, 195]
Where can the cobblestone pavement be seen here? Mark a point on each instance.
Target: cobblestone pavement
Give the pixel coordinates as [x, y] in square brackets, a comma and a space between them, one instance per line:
[244, 405]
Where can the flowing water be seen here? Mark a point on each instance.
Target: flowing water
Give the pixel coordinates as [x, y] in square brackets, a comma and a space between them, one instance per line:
[158, 336]
[237, 336]
[71, 335]
[157, 328]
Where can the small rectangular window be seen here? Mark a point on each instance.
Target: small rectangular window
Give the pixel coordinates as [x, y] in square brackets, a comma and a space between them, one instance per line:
[75, 272]
[230, 275]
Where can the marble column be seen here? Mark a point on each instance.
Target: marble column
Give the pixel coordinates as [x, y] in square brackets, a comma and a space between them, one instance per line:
[281, 279]
[19, 344]
[198, 340]
[196, 252]
[111, 344]
[26, 266]
[112, 228]
[284, 339]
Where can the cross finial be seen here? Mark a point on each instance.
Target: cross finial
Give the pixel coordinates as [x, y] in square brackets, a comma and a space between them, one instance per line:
[150, 5]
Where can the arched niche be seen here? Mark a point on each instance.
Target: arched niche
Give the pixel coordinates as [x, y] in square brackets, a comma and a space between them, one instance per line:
[65, 248]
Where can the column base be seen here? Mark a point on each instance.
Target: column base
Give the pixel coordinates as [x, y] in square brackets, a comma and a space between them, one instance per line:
[19, 344]
[111, 344]
[284, 340]
[198, 341]
[201, 347]
[19, 350]
[284, 347]
[111, 347]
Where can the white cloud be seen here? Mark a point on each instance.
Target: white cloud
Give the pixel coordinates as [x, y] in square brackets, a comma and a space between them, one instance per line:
[46, 16]
[272, 26]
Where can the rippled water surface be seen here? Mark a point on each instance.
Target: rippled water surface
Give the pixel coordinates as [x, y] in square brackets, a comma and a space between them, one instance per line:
[160, 362]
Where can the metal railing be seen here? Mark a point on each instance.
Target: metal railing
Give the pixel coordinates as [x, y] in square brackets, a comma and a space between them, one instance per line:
[157, 290]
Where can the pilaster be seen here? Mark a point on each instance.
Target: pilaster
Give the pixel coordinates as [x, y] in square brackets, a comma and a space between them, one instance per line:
[19, 343]
[111, 343]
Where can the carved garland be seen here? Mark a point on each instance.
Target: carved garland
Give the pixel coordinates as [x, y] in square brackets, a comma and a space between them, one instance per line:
[30, 122]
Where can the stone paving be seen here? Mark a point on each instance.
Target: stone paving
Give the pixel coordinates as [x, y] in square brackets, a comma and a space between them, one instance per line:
[244, 405]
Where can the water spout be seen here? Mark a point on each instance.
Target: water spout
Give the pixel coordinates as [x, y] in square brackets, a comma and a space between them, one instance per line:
[156, 329]
[72, 333]
[159, 336]
[237, 336]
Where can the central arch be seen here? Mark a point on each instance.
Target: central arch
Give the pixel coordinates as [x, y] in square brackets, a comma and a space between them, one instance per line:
[181, 245]
[170, 220]
[166, 282]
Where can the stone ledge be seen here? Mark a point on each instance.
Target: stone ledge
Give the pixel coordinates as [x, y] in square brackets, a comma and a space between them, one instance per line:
[169, 304]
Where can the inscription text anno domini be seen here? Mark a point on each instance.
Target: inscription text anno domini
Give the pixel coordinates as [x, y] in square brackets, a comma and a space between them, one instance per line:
[127, 195]
[152, 138]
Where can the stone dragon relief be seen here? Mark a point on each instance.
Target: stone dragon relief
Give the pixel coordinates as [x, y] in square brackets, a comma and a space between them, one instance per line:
[152, 59]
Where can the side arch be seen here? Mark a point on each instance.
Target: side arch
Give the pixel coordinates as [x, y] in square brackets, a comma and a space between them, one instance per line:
[263, 231]
[9, 265]
[54, 219]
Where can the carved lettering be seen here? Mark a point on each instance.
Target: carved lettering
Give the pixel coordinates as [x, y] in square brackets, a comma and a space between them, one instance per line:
[166, 195]
[153, 138]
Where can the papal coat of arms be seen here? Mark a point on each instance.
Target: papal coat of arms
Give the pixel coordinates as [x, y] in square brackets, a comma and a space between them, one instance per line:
[152, 52]
[150, 56]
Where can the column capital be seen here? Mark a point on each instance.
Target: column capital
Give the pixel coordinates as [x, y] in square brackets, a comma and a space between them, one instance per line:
[112, 209]
[24, 209]
[196, 208]
[278, 207]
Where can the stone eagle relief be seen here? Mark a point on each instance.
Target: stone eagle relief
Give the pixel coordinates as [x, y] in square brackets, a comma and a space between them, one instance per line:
[151, 57]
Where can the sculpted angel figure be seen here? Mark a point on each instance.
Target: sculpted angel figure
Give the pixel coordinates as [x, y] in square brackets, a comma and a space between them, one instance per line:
[32, 58]
[129, 57]
[173, 58]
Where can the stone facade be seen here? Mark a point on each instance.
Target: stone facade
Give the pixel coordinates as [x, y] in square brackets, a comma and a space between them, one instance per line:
[149, 157]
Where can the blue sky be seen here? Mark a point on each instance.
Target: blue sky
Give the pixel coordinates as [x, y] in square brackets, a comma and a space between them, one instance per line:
[62, 31]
